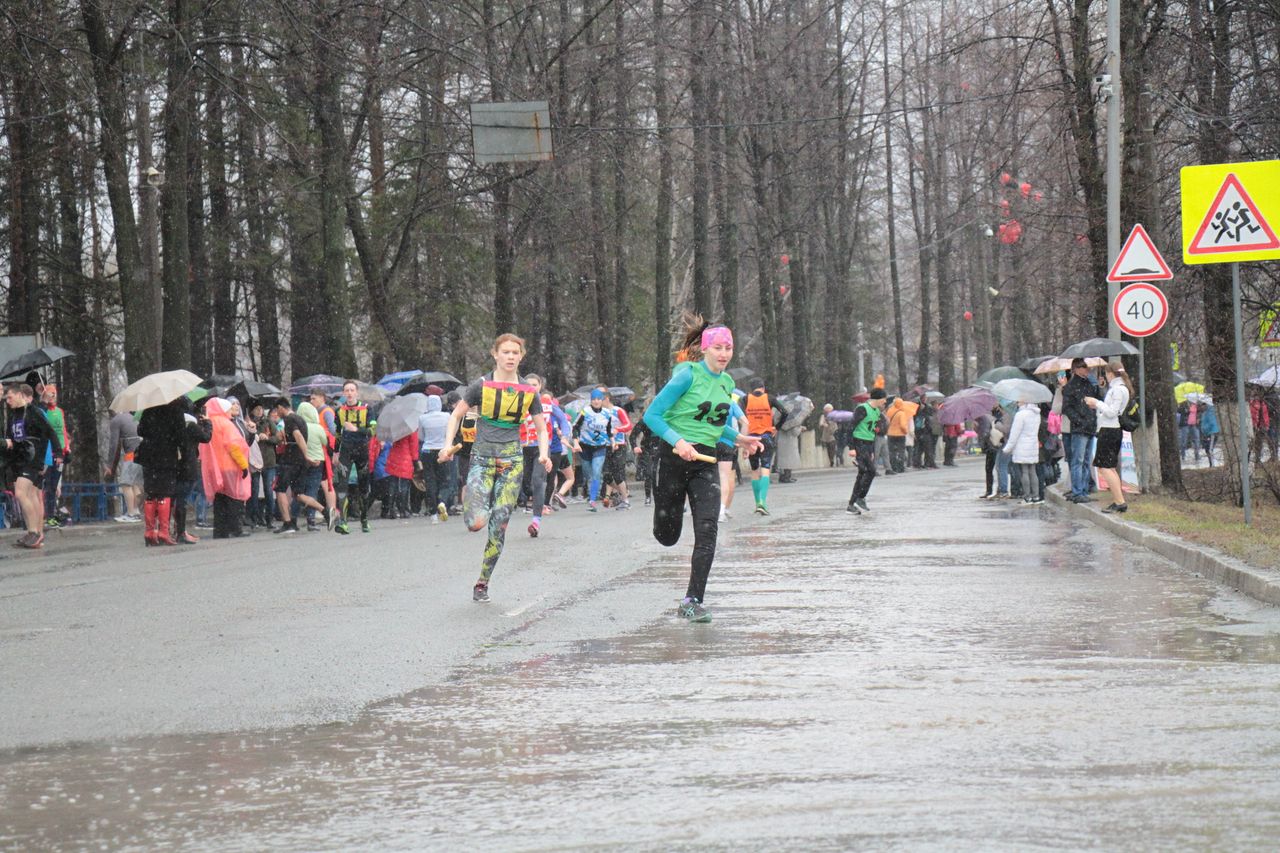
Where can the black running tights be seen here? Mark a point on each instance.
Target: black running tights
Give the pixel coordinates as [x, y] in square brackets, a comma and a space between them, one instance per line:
[700, 483]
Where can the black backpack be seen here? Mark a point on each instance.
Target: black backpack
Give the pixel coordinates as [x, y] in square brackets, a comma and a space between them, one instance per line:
[1129, 420]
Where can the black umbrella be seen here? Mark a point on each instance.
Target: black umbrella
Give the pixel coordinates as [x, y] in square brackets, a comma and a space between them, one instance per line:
[247, 390]
[1098, 348]
[1035, 361]
[621, 395]
[29, 361]
[418, 385]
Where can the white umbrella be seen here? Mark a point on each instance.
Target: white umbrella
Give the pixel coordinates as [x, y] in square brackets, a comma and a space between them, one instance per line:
[1269, 378]
[155, 390]
[1053, 365]
[1022, 391]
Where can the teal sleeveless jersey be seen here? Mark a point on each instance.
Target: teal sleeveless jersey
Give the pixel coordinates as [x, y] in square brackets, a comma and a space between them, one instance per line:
[702, 411]
[866, 430]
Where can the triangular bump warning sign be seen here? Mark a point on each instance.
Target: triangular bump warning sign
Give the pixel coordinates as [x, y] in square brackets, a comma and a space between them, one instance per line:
[1139, 260]
[1272, 335]
[1233, 224]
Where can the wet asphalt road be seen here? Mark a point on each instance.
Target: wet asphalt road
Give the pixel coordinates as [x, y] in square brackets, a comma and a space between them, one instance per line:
[945, 673]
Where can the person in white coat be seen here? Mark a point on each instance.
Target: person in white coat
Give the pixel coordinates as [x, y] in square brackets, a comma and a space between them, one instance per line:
[1023, 444]
[1107, 457]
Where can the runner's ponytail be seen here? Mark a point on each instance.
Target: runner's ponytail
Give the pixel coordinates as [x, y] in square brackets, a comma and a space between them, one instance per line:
[691, 340]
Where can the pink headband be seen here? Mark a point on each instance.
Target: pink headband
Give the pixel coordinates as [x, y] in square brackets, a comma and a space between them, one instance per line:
[716, 335]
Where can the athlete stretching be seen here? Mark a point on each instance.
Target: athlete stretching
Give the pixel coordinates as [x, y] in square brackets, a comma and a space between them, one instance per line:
[691, 414]
[493, 483]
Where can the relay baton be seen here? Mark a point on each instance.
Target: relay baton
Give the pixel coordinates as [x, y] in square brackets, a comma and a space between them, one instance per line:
[701, 457]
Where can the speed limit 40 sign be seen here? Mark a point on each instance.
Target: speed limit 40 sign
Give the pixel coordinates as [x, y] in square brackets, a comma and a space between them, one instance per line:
[1140, 309]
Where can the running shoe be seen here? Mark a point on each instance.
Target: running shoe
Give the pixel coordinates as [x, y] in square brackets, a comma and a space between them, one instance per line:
[330, 519]
[692, 609]
[480, 592]
[30, 540]
[592, 508]
[341, 527]
[533, 528]
[442, 512]
[288, 527]
[724, 516]
[52, 523]
[862, 505]
[623, 505]
[127, 519]
[648, 501]
[852, 509]
[364, 527]
[559, 501]
[762, 510]
[312, 527]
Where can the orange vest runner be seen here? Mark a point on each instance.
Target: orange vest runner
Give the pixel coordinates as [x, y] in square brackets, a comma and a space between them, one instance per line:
[759, 414]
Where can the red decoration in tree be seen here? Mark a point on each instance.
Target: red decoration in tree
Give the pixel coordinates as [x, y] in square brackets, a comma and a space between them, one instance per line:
[1025, 189]
[964, 87]
[1005, 178]
[1038, 196]
[786, 259]
[1010, 232]
[968, 315]
[783, 290]
[1004, 206]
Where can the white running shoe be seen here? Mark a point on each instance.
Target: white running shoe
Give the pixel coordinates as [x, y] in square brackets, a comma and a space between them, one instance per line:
[724, 516]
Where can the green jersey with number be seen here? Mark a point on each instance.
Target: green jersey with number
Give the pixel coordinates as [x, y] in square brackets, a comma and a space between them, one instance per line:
[702, 411]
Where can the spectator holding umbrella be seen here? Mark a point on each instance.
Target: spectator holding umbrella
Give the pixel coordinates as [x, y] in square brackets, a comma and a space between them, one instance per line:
[161, 429]
[1109, 409]
[1076, 407]
[27, 439]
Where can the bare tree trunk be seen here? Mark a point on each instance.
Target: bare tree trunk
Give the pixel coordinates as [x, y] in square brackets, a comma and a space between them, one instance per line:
[662, 214]
[174, 226]
[699, 117]
[141, 306]
[621, 328]
[335, 324]
[1213, 83]
[24, 213]
[223, 356]
[899, 342]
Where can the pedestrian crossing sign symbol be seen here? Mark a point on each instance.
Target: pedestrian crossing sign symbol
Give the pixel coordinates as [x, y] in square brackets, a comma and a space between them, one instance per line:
[1139, 260]
[1230, 212]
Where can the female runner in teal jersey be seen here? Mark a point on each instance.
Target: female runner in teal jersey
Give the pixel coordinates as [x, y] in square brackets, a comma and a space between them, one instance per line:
[691, 414]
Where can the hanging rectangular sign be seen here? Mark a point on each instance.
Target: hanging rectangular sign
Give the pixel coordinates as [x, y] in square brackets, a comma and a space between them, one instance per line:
[511, 133]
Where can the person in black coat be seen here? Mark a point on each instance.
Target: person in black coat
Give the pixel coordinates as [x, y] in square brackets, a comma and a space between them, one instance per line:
[1084, 424]
[161, 430]
[196, 430]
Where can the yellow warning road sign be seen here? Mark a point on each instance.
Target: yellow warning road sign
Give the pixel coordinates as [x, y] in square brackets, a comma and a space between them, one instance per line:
[1231, 212]
[1268, 328]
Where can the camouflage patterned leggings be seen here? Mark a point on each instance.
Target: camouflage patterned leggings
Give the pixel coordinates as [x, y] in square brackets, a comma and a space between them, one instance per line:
[493, 484]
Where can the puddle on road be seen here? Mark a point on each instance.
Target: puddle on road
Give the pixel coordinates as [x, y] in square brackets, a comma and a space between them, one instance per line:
[1048, 689]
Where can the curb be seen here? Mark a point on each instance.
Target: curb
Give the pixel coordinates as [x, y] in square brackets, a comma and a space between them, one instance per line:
[1252, 581]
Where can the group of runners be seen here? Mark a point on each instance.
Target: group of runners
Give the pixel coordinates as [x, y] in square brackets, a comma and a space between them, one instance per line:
[686, 442]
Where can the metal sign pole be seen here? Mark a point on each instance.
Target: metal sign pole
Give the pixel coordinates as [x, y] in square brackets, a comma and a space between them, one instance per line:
[1243, 418]
[1142, 413]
